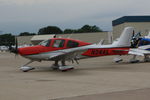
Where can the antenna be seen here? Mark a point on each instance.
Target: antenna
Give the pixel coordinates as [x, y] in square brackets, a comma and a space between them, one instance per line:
[54, 36]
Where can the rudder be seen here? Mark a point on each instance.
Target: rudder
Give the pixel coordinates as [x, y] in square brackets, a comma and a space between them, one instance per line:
[125, 38]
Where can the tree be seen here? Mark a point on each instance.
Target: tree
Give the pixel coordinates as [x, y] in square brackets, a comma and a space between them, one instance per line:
[50, 30]
[84, 29]
[88, 28]
[70, 31]
[7, 39]
[26, 34]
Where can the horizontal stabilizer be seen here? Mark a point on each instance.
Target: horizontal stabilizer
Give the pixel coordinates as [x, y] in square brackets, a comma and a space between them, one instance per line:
[139, 52]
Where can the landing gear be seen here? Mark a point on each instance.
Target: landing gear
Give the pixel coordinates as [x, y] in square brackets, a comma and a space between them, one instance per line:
[63, 67]
[26, 68]
[55, 66]
[146, 58]
[134, 60]
[118, 59]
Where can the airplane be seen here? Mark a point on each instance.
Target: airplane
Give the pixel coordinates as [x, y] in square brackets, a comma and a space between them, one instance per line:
[142, 49]
[67, 49]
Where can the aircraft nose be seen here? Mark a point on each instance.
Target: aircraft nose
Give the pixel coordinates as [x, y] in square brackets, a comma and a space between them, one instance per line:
[14, 50]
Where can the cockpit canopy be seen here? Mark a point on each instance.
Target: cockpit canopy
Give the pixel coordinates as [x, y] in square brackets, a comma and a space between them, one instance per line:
[62, 43]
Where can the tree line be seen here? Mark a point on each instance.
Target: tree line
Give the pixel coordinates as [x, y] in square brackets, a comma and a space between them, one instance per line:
[57, 30]
[9, 39]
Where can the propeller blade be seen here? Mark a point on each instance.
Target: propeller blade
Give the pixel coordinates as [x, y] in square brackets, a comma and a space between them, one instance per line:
[14, 49]
[133, 34]
[16, 43]
[10, 47]
[135, 39]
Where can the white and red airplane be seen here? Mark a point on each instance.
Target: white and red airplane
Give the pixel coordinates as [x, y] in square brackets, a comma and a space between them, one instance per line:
[65, 49]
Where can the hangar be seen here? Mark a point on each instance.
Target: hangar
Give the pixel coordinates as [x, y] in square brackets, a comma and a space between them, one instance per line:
[39, 38]
[140, 23]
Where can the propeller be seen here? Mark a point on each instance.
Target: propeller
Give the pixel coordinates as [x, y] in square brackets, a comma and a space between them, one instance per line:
[14, 49]
[135, 39]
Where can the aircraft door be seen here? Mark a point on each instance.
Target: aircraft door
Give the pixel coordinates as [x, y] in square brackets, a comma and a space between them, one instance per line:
[59, 43]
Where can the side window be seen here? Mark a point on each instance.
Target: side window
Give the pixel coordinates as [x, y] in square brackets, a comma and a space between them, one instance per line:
[59, 43]
[72, 44]
[45, 43]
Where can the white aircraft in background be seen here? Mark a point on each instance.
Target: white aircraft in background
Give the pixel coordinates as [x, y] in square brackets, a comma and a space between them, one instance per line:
[4, 48]
[143, 49]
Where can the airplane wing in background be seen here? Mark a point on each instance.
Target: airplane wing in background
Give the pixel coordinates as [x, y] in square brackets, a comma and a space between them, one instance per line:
[139, 52]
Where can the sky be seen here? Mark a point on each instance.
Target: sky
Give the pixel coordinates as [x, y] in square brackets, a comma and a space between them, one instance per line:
[18, 16]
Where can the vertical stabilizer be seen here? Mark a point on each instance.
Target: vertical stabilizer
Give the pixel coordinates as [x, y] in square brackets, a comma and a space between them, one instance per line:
[125, 38]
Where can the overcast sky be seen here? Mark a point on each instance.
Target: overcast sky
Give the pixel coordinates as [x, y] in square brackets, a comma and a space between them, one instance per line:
[29, 15]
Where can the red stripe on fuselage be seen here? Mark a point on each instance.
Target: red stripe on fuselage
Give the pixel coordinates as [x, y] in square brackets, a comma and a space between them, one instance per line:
[106, 52]
[90, 52]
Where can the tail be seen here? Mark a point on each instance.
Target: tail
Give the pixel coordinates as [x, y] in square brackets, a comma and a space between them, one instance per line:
[125, 38]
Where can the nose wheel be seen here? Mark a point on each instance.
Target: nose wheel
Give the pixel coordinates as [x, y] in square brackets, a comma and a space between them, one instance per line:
[26, 68]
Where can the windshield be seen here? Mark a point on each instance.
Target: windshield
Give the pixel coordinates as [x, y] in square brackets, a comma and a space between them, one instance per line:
[45, 43]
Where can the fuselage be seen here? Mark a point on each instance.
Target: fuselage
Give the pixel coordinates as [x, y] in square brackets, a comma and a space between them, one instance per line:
[51, 46]
[144, 44]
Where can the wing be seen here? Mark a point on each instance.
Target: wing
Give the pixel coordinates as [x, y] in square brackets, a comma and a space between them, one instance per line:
[139, 52]
[69, 54]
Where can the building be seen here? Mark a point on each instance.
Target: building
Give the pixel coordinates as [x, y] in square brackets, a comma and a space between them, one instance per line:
[94, 37]
[23, 40]
[140, 23]
[86, 37]
[36, 39]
